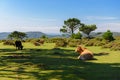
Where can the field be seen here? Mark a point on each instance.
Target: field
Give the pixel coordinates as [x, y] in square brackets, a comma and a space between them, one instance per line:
[48, 63]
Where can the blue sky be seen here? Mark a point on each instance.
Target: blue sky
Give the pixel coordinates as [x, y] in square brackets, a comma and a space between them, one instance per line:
[48, 15]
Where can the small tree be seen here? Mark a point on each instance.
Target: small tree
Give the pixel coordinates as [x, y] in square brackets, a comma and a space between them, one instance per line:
[108, 36]
[87, 29]
[76, 36]
[70, 25]
[43, 36]
[17, 35]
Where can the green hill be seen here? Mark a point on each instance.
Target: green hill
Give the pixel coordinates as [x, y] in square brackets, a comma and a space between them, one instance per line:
[37, 34]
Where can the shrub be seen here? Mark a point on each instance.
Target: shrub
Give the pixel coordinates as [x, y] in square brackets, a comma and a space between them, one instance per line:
[90, 43]
[76, 36]
[100, 43]
[61, 43]
[8, 42]
[84, 40]
[108, 36]
[1, 41]
[112, 45]
[98, 39]
[41, 41]
[95, 42]
[74, 42]
[36, 43]
[108, 45]
[28, 40]
[115, 46]
[44, 36]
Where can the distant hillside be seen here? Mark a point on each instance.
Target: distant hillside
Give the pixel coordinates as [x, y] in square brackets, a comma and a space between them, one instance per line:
[34, 34]
[116, 33]
[31, 34]
[99, 34]
[39, 34]
[4, 35]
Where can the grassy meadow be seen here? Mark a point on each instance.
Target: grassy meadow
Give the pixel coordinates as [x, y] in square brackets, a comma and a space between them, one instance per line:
[48, 63]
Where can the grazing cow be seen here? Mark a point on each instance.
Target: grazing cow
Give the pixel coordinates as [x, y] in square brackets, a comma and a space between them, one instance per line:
[85, 54]
[18, 45]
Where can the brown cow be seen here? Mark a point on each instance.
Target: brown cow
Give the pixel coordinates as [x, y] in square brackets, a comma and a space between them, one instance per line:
[85, 54]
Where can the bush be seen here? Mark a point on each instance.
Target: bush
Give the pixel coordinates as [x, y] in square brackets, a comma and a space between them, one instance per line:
[1, 41]
[61, 43]
[54, 40]
[44, 37]
[90, 43]
[74, 42]
[112, 45]
[28, 40]
[8, 42]
[76, 36]
[115, 46]
[108, 45]
[108, 36]
[36, 43]
[41, 41]
[95, 42]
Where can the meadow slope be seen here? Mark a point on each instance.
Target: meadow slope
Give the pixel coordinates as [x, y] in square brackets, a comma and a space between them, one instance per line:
[48, 63]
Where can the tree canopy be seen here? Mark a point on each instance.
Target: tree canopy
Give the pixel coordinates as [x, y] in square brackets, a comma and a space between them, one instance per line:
[73, 24]
[17, 35]
[87, 29]
[70, 25]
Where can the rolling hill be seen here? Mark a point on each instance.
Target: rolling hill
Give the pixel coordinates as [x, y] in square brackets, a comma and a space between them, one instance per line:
[31, 34]
[37, 34]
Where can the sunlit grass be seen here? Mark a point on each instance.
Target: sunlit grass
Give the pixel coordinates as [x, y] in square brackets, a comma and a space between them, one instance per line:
[46, 63]
[112, 57]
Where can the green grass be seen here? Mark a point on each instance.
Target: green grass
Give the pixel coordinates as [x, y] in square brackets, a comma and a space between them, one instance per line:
[45, 63]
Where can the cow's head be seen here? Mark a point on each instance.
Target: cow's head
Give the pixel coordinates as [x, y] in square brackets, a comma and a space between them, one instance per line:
[79, 49]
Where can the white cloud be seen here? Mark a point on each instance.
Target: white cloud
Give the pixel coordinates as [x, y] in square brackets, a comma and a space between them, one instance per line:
[113, 26]
[47, 30]
[43, 29]
[104, 23]
[8, 24]
[100, 18]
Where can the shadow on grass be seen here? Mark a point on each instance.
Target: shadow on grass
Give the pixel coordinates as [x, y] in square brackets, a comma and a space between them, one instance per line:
[101, 54]
[7, 50]
[58, 64]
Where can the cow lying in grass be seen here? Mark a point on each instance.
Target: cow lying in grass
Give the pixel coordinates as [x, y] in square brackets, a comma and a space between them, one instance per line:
[85, 54]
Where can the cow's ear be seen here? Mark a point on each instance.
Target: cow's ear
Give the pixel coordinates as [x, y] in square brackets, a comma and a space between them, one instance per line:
[82, 48]
[79, 46]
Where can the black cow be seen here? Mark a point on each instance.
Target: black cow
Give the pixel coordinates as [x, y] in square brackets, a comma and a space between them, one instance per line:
[18, 45]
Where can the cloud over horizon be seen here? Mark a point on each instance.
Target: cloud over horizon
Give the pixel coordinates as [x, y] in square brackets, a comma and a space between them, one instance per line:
[113, 26]
[101, 18]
